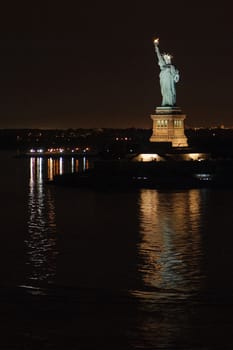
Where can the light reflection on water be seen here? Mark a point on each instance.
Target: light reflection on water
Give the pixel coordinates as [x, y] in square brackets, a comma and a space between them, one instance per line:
[170, 247]
[59, 166]
[41, 243]
[164, 240]
[171, 254]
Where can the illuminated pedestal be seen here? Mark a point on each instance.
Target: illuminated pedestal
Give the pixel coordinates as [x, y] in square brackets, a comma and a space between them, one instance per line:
[168, 126]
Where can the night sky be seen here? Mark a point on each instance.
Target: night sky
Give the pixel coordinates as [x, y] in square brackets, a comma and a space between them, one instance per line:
[92, 64]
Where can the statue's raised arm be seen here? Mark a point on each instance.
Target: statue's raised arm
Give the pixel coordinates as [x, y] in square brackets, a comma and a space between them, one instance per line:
[169, 75]
[160, 57]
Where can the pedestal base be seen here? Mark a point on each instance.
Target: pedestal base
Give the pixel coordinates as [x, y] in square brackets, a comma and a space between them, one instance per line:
[168, 126]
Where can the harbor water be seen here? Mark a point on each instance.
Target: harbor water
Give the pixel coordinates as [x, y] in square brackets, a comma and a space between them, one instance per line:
[130, 269]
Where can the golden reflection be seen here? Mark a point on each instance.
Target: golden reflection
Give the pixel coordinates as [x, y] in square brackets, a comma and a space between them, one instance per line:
[58, 166]
[41, 243]
[76, 165]
[170, 246]
[81, 164]
[50, 169]
[87, 164]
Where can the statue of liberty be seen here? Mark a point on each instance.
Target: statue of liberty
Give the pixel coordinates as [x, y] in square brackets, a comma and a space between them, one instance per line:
[169, 76]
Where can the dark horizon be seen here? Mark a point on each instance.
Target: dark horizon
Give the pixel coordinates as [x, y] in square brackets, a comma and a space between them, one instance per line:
[94, 66]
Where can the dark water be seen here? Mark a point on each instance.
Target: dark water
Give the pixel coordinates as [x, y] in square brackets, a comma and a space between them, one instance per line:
[83, 269]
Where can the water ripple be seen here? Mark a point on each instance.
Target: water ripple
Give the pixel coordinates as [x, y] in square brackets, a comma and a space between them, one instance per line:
[170, 246]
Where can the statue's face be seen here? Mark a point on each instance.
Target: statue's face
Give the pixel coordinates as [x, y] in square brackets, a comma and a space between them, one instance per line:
[167, 58]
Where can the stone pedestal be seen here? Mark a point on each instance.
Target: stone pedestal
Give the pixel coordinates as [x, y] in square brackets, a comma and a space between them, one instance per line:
[168, 126]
